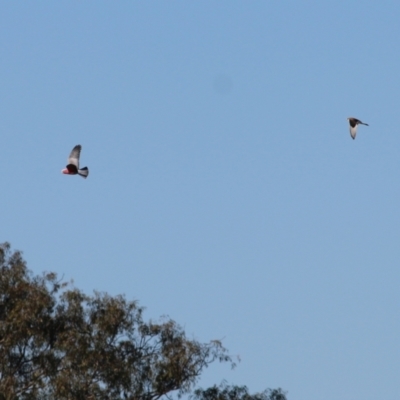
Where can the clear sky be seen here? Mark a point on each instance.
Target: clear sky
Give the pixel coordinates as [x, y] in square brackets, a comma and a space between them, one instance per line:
[224, 188]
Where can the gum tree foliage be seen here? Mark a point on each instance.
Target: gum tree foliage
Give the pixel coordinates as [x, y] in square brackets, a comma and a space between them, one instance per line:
[226, 392]
[58, 343]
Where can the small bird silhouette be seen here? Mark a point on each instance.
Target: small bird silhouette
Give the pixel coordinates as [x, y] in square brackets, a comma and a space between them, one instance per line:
[353, 126]
[72, 167]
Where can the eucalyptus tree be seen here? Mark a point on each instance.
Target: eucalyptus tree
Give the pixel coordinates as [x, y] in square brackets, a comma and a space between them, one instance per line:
[58, 343]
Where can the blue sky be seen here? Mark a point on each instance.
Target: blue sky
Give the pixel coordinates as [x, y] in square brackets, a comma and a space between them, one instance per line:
[224, 188]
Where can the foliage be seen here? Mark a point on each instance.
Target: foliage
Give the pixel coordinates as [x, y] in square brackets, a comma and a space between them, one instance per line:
[226, 392]
[58, 343]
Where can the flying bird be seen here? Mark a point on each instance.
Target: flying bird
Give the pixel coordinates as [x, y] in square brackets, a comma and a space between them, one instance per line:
[72, 167]
[353, 126]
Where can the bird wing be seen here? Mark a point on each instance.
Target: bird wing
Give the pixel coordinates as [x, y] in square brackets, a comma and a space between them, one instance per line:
[353, 131]
[74, 156]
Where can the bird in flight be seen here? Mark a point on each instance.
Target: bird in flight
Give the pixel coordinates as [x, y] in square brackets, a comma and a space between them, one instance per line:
[72, 167]
[353, 126]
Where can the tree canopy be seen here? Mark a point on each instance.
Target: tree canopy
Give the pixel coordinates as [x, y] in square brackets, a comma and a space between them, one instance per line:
[226, 392]
[58, 343]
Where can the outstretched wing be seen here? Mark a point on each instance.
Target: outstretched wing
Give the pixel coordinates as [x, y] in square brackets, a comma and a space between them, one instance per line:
[74, 156]
[353, 131]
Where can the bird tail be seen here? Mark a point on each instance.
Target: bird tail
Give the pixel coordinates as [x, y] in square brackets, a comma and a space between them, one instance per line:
[84, 172]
